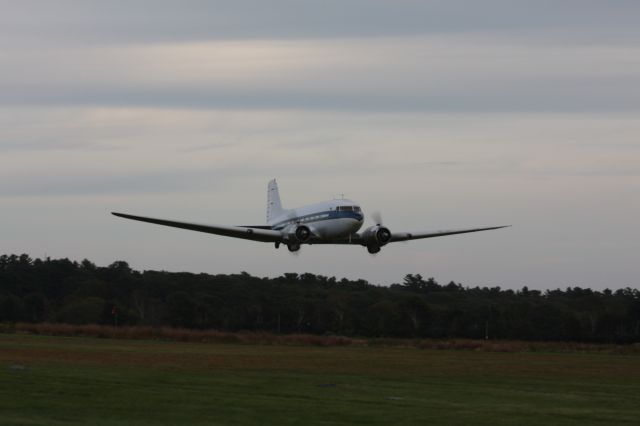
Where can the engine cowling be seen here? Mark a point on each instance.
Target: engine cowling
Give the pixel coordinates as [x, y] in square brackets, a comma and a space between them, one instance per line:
[376, 236]
[299, 233]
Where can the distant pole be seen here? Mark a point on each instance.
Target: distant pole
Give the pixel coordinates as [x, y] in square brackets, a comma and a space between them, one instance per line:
[486, 330]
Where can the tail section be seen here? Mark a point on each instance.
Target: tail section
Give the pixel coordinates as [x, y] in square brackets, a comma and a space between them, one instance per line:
[274, 206]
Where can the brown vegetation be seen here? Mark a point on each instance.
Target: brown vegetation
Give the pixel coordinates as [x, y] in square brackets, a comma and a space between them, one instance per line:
[176, 334]
[265, 338]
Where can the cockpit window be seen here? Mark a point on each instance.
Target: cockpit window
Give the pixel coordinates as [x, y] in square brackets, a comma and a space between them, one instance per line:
[356, 209]
[349, 208]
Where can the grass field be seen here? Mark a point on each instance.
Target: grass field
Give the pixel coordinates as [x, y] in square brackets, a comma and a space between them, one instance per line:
[48, 380]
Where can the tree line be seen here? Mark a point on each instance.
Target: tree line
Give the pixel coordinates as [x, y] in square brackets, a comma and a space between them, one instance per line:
[65, 291]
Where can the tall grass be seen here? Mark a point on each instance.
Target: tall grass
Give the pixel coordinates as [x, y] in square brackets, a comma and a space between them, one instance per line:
[265, 338]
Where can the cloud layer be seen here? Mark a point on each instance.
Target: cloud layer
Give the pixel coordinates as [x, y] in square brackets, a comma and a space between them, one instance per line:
[439, 114]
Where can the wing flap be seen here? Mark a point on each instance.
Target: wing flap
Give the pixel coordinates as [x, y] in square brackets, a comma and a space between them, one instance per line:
[246, 233]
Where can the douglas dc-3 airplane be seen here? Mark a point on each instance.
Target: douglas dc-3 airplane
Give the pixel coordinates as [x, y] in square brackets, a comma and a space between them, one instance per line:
[329, 222]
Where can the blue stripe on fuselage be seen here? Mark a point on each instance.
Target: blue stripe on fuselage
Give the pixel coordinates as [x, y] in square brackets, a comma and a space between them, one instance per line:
[317, 217]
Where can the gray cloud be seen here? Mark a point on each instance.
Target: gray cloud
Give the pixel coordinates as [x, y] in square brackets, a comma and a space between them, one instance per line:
[390, 74]
[96, 185]
[118, 22]
[550, 97]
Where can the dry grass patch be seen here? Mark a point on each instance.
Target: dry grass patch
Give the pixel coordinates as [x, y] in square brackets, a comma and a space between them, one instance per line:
[266, 338]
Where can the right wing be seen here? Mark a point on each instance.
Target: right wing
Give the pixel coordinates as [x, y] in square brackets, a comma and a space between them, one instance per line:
[246, 233]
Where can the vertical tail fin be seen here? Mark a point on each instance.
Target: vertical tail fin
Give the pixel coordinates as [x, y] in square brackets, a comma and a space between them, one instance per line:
[274, 206]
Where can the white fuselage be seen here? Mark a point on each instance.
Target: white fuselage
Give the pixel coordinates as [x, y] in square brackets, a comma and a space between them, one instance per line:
[328, 219]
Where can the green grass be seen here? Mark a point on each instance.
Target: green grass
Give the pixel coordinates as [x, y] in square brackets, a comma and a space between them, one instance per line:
[73, 380]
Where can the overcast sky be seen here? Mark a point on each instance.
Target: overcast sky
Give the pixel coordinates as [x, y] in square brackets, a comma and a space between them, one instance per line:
[439, 114]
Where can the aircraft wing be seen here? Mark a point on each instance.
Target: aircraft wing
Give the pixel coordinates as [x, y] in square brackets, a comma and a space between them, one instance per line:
[244, 232]
[406, 236]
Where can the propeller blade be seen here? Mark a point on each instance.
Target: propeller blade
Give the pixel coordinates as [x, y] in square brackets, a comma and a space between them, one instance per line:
[377, 217]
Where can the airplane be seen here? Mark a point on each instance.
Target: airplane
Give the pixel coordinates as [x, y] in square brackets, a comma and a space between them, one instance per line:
[330, 222]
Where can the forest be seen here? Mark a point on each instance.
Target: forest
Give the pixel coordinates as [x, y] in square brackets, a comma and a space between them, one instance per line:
[66, 291]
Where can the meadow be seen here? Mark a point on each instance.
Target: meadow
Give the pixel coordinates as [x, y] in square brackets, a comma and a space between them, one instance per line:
[59, 380]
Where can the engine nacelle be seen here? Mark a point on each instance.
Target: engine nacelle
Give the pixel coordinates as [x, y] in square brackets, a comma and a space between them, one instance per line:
[298, 233]
[376, 236]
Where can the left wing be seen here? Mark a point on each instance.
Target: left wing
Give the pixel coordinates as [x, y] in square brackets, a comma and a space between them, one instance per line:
[358, 239]
[406, 236]
[244, 232]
